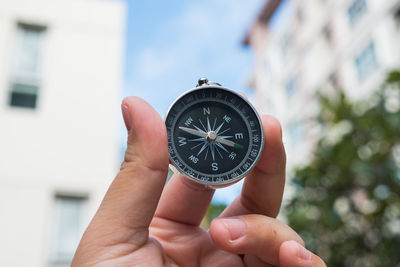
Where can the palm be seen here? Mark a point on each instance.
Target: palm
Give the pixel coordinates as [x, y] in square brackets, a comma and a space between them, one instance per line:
[187, 245]
[172, 243]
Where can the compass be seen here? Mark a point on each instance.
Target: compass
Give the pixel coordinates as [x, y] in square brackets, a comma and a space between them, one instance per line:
[215, 136]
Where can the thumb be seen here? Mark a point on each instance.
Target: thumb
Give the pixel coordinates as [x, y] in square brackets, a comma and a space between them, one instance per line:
[292, 254]
[130, 202]
[147, 136]
[252, 235]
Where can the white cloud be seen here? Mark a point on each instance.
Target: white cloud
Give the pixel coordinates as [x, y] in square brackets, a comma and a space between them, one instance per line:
[154, 64]
[198, 31]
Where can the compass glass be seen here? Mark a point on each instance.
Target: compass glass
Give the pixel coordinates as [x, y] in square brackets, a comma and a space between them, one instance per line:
[214, 135]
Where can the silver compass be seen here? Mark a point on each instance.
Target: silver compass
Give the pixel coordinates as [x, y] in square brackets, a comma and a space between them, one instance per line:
[215, 136]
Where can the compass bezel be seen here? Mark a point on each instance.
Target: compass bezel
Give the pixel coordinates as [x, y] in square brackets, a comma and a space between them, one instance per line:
[230, 180]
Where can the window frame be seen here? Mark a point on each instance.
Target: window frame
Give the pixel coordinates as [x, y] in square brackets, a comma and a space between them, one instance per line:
[55, 258]
[353, 14]
[365, 56]
[21, 78]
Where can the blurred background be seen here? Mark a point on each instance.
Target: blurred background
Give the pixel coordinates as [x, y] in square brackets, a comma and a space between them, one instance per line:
[327, 69]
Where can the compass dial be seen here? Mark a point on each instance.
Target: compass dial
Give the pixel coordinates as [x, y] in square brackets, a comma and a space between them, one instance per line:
[215, 136]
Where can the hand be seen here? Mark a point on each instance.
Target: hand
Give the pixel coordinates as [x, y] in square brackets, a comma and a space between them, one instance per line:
[140, 222]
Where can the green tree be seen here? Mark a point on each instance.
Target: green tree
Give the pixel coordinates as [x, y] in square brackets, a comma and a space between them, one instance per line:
[346, 203]
[213, 211]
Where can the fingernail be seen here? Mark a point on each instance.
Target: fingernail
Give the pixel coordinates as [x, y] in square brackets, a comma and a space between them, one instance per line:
[236, 227]
[303, 253]
[127, 117]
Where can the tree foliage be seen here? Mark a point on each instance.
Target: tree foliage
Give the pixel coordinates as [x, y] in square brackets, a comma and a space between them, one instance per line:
[346, 202]
[213, 211]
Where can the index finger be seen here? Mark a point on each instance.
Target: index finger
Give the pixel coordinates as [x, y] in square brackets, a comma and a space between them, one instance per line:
[263, 188]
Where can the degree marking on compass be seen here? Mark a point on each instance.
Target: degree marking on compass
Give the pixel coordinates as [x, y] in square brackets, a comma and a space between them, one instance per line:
[227, 118]
[188, 121]
[182, 141]
[238, 135]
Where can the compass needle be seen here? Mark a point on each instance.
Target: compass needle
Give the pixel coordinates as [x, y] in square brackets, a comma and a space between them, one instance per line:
[238, 146]
[193, 131]
[197, 128]
[225, 137]
[215, 136]
[196, 140]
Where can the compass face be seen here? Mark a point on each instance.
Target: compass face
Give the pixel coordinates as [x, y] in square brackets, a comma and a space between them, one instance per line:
[215, 136]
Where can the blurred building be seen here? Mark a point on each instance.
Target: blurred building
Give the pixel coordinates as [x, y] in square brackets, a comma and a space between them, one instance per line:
[60, 81]
[303, 47]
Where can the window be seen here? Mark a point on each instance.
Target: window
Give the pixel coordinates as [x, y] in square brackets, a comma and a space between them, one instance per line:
[67, 228]
[290, 87]
[397, 16]
[300, 14]
[25, 76]
[334, 80]
[356, 10]
[286, 42]
[327, 32]
[366, 62]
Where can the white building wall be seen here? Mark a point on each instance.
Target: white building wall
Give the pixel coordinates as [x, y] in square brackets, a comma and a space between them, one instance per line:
[322, 44]
[67, 145]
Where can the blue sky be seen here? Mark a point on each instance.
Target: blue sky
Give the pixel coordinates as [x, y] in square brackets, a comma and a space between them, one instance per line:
[170, 44]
